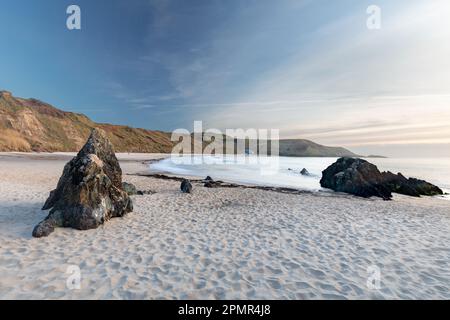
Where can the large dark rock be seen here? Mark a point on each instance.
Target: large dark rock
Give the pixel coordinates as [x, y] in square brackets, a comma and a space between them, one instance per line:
[361, 178]
[399, 184]
[355, 176]
[186, 186]
[411, 187]
[425, 188]
[90, 190]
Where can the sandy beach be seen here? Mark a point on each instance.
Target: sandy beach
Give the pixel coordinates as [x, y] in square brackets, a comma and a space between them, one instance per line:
[221, 243]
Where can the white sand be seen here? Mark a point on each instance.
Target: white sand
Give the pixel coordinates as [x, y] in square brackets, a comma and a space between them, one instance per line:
[221, 243]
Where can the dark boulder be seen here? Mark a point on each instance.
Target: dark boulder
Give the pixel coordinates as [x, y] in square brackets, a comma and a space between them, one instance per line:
[411, 187]
[355, 176]
[90, 190]
[425, 188]
[130, 189]
[210, 183]
[361, 178]
[305, 172]
[399, 184]
[186, 186]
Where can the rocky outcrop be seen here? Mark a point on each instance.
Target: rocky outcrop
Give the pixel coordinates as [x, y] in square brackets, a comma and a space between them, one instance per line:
[361, 178]
[412, 187]
[186, 186]
[305, 172]
[355, 176]
[90, 190]
[211, 183]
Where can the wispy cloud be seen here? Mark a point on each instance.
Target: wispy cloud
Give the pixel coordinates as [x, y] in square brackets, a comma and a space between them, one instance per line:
[270, 64]
[397, 77]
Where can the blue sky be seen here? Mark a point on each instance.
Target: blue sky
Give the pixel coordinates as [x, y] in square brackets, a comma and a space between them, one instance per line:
[310, 68]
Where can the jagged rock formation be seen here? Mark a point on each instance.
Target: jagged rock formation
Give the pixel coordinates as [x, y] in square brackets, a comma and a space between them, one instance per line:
[90, 190]
[361, 178]
[412, 187]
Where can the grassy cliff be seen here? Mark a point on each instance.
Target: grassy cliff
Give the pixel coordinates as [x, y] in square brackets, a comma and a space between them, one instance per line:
[31, 125]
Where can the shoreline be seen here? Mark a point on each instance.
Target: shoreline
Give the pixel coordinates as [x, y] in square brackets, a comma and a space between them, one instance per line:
[222, 243]
[286, 190]
[146, 159]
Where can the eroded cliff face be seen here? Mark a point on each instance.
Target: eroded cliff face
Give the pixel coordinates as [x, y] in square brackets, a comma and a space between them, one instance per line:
[32, 125]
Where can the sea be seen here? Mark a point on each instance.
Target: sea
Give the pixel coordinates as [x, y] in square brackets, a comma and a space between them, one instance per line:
[285, 171]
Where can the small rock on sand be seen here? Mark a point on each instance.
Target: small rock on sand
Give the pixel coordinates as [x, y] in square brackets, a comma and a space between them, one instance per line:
[186, 186]
[305, 172]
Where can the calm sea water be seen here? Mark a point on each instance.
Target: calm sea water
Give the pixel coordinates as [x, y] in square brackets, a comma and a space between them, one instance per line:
[250, 170]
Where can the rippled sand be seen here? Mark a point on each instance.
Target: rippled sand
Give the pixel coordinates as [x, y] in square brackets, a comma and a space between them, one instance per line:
[222, 243]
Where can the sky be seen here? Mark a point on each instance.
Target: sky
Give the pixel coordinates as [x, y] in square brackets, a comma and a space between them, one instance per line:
[311, 69]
